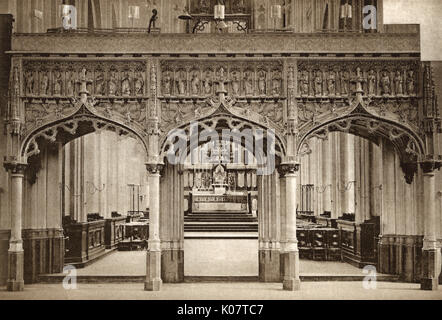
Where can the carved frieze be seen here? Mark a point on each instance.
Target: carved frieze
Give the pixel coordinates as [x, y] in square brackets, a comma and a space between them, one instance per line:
[204, 78]
[334, 79]
[106, 78]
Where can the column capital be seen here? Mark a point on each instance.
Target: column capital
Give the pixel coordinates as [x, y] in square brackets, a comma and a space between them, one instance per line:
[430, 166]
[287, 168]
[15, 167]
[154, 168]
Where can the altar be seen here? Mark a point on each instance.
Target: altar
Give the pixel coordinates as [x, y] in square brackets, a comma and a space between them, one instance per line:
[220, 197]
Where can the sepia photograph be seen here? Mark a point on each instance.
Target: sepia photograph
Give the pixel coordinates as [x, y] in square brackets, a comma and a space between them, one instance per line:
[220, 150]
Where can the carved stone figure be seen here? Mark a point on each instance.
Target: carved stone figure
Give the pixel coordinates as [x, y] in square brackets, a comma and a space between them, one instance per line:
[262, 87]
[411, 90]
[167, 80]
[139, 83]
[207, 82]
[304, 86]
[385, 83]
[238, 6]
[248, 83]
[30, 82]
[113, 83]
[195, 83]
[70, 83]
[222, 80]
[276, 83]
[125, 84]
[398, 81]
[44, 84]
[235, 83]
[182, 83]
[204, 6]
[371, 83]
[331, 83]
[345, 77]
[58, 83]
[318, 83]
[99, 84]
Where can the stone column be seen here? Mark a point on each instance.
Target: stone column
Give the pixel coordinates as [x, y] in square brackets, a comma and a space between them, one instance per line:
[153, 260]
[349, 173]
[430, 252]
[15, 280]
[327, 172]
[291, 280]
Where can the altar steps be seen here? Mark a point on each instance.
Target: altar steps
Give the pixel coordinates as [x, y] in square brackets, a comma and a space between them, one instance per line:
[220, 227]
[220, 222]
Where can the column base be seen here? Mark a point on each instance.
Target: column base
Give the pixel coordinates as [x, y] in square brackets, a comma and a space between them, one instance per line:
[291, 280]
[269, 266]
[15, 280]
[153, 285]
[430, 284]
[291, 285]
[430, 269]
[153, 271]
[172, 266]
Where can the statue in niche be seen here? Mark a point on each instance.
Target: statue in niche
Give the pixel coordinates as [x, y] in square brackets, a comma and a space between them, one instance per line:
[262, 86]
[113, 83]
[410, 83]
[371, 83]
[139, 83]
[58, 83]
[331, 83]
[385, 83]
[345, 77]
[276, 83]
[204, 6]
[195, 83]
[248, 83]
[181, 83]
[399, 81]
[125, 84]
[167, 80]
[30, 82]
[70, 83]
[99, 83]
[238, 6]
[318, 83]
[220, 176]
[44, 84]
[207, 82]
[304, 83]
[235, 83]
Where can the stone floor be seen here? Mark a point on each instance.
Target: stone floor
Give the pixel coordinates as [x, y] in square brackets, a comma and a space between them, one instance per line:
[133, 263]
[225, 291]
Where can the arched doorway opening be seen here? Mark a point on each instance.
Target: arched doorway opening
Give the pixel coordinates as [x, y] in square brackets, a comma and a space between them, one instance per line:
[360, 196]
[90, 193]
[217, 186]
